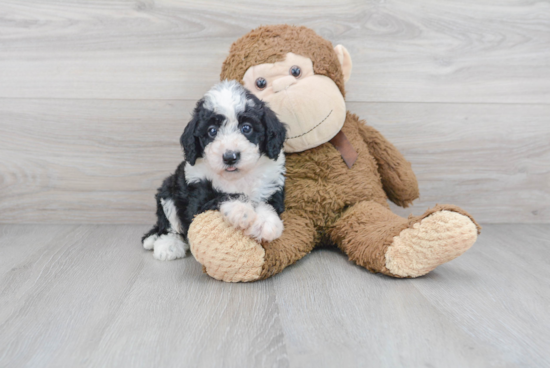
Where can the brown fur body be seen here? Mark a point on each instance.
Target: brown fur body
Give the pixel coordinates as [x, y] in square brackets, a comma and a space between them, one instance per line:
[320, 185]
[327, 203]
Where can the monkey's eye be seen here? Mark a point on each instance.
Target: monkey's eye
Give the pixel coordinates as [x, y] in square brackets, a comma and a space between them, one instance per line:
[212, 131]
[295, 71]
[246, 129]
[261, 83]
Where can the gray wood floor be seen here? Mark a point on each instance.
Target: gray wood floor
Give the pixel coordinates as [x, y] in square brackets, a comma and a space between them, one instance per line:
[88, 295]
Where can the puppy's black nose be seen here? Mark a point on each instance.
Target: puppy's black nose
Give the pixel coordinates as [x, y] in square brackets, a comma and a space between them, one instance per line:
[231, 157]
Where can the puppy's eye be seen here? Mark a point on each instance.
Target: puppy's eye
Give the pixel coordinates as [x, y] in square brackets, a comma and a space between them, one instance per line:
[246, 129]
[295, 71]
[212, 131]
[261, 83]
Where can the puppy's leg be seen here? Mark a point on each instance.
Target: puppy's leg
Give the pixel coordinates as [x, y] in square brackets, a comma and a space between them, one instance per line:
[267, 225]
[163, 238]
[161, 227]
[170, 245]
[238, 212]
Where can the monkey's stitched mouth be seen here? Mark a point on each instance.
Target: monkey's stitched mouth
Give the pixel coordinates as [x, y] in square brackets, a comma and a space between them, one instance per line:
[309, 131]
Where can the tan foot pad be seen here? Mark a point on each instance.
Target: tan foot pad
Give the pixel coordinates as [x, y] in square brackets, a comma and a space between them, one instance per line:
[436, 239]
[225, 252]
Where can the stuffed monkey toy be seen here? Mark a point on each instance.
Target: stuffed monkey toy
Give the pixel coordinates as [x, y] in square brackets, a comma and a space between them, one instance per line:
[340, 173]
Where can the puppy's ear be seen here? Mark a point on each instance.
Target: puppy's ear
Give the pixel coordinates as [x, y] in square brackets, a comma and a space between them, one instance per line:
[275, 133]
[191, 144]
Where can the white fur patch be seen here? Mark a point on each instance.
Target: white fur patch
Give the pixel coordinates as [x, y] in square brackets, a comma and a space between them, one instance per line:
[267, 225]
[169, 247]
[171, 213]
[231, 140]
[259, 183]
[227, 98]
[149, 242]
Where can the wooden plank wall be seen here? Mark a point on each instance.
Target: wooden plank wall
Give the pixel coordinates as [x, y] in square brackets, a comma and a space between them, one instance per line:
[94, 96]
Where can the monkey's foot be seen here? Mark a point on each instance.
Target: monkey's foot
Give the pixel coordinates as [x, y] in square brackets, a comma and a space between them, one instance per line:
[226, 253]
[436, 238]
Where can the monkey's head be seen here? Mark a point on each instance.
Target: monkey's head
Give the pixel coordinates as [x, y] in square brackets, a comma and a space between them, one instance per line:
[299, 74]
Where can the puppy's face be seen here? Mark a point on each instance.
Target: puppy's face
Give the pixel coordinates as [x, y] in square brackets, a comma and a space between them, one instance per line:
[231, 129]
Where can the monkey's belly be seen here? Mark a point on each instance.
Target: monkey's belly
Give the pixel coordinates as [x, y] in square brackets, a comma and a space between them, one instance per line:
[320, 185]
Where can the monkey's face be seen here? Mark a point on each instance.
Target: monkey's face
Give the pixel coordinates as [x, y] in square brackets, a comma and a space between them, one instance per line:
[311, 105]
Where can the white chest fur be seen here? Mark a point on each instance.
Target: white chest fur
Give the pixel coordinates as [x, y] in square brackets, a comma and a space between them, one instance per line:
[260, 183]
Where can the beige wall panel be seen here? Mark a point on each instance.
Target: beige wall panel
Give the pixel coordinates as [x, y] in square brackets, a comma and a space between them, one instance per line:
[100, 161]
[403, 51]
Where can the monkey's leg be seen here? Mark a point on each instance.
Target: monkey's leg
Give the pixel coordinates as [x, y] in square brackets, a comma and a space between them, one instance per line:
[379, 240]
[229, 255]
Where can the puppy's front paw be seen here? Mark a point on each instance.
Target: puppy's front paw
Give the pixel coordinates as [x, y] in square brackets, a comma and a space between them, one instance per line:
[239, 214]
[268, 226]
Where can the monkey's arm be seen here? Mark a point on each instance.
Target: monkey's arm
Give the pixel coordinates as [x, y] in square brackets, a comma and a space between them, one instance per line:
[397, 176]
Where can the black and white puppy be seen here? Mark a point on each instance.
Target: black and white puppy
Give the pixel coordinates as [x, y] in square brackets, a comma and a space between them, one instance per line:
[234, 163]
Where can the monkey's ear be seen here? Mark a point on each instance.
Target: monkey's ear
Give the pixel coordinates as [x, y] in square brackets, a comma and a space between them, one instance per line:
[192, 147]
[275, 134]
[345, 61]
